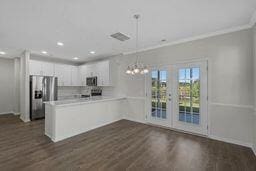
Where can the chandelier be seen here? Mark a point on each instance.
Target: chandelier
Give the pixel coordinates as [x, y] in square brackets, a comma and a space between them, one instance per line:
[137, 67]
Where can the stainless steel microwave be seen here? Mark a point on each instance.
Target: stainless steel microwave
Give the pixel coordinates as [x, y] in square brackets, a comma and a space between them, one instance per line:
[91, 81]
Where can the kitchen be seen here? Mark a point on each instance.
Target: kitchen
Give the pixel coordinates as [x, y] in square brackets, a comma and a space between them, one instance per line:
[53, 85]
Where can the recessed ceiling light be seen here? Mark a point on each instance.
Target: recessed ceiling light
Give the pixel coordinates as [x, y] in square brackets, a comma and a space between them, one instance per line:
[60, 43]
[92, 52]
[75, 58]
[43, 52]
[2, 53]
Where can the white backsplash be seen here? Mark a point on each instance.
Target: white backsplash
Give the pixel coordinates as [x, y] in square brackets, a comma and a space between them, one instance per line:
[70, 92]
[108, 91]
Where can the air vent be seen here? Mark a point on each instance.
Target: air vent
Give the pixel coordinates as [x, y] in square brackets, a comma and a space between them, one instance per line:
[120, 36]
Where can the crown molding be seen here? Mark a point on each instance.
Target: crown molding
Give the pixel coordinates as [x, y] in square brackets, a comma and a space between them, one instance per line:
[203, 36]
[251, 23]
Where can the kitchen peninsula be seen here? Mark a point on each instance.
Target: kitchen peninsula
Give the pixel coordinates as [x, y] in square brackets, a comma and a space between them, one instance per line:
[67, 118]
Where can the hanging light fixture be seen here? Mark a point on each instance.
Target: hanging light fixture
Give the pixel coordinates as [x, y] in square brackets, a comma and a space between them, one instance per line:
[137, 68]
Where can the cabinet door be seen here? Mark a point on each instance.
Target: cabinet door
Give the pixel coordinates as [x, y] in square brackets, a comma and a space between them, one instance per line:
[67, 75]
[35, 67]
[89, 70]
[83, 74]
[75, 80]
[47, 69]
[63, 72]
[103, 68]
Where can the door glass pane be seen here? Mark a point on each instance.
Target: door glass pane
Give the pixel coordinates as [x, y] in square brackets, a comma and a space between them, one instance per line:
[195, 73]
[154, 75]
[158, 94]
[153, 108]
[189, 95]
[187, 74]
[182, 74]
[182, 99]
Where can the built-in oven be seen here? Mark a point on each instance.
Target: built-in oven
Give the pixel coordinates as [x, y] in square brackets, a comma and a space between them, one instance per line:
[91, 81]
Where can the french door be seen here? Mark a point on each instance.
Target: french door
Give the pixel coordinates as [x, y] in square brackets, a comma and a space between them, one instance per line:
[159, 105]
[178, 97]
[190, 97]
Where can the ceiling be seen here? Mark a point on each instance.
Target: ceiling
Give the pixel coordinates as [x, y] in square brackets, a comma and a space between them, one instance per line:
[86, 25]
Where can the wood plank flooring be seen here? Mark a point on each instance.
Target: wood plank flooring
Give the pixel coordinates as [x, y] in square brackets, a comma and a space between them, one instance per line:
[123, 145]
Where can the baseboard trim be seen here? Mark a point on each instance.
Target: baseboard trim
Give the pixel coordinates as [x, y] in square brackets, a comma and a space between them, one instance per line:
[254, 149]
[11, 112]
[134, 120]
[6, 113]
[231, 141]
[16, 113]
[23, 119]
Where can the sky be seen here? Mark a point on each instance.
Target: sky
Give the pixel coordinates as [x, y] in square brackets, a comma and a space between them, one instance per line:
[183, 74]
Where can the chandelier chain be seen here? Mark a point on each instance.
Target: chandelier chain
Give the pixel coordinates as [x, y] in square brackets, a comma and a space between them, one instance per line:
[137, 36]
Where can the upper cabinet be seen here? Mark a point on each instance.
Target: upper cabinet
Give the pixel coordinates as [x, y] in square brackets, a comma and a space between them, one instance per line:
[75, 76]
[41, 68]
[63, 72]
[70, 75]
[103, 70]
[103, 73]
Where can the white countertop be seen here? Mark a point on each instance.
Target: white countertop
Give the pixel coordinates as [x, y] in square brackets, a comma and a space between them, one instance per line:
[82, 101]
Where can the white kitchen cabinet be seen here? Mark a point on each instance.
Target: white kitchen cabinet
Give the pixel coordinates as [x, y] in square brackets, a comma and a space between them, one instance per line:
[48, 69]
[75, 76]
[83, 70]
[104, 71]
[35, 67]
[41, 68]
[63, 72]
[70, 75]
[91, 70]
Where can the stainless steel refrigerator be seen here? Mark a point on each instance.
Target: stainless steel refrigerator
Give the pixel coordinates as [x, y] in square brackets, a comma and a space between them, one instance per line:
[42, 89]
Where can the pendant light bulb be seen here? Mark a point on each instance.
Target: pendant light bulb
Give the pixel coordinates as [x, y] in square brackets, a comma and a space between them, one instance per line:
[136, 69]
[145, 70]
[128, 71]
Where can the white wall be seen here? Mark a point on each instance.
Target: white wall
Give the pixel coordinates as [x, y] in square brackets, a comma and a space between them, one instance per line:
[230, 81]
[6, 85]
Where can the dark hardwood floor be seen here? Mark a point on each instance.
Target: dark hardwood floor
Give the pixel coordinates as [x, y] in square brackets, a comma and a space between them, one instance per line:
[124, 145]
